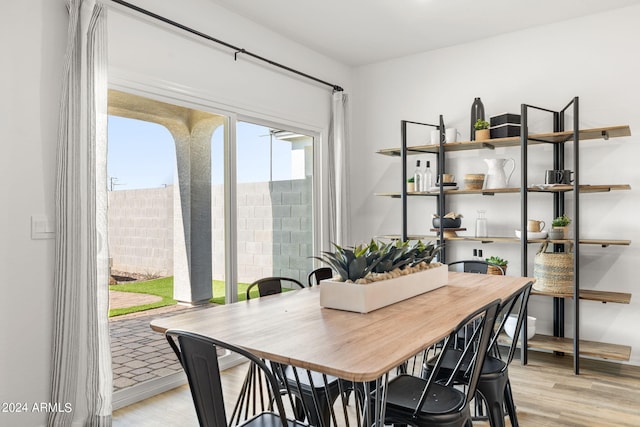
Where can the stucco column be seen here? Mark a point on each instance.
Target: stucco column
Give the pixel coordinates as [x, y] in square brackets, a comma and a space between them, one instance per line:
[192, 210]
[192, 131]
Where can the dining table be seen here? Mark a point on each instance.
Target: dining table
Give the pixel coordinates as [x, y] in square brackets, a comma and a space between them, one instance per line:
[292, 328]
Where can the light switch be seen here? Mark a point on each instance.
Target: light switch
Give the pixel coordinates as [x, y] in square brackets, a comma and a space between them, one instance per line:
[41, 227]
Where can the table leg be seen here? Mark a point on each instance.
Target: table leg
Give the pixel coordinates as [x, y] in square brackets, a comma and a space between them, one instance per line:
[375, 394]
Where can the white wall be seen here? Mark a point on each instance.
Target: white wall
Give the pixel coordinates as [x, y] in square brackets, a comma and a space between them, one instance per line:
[141, 55]
[33, 39]
[591, 57]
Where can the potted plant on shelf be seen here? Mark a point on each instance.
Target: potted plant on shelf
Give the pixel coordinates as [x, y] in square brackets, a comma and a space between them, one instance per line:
[562, 223]
[411, 185]
[377, 274]
[496, 260]
[482, 130]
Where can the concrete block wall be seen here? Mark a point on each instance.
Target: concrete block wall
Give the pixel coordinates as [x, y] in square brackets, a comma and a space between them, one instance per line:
[275, 230]
[141, 231]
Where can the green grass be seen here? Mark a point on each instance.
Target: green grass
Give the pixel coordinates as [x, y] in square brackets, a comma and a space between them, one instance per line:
[164, 288]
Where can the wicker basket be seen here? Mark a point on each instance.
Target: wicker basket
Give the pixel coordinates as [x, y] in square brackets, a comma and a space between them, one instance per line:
[553, 270]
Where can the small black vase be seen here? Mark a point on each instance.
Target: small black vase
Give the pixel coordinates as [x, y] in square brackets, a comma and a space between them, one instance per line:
[477, 112]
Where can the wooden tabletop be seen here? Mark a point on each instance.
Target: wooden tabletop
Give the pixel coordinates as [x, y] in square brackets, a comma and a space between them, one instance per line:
[292, 328]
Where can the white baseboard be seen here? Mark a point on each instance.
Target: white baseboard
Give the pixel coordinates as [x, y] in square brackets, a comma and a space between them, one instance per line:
[147, 389]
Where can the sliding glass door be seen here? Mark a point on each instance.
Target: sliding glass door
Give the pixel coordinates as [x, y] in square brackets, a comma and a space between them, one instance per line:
[272, 195]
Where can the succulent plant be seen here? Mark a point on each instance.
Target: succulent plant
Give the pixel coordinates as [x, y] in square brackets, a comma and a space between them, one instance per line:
[561, 221]
[353, 263]
[481, 124]
[497, 261]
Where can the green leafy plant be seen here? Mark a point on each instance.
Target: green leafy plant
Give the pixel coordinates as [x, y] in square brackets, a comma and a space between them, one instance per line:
[354, 263]
[497, 261]
[481, 124]
[412, 179]
[561, 221]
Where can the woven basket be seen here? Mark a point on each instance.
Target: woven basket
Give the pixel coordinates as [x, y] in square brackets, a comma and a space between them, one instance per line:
[553, 270]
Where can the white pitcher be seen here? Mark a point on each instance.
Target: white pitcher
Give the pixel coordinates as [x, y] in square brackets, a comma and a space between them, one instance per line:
[496, 177]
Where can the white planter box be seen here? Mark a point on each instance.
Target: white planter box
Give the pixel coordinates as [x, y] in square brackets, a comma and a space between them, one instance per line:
[369, 297]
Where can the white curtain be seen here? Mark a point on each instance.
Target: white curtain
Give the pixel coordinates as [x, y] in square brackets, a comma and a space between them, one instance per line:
[339, 208]
[81, 375]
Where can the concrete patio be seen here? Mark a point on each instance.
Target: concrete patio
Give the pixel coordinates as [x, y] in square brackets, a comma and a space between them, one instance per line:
[138, 353]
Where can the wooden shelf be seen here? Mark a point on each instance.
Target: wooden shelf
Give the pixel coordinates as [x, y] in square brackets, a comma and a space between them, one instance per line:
[591, 295]
[599, 242]
[587, 348]
[542, 138]
[497, 239]
[602, 188]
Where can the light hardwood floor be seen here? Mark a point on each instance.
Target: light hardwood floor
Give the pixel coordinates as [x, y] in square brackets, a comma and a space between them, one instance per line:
[546, 394]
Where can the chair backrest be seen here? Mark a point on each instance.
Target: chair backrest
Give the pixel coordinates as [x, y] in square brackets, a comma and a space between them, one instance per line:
[479, 329]
[472, 266]
[272, 285]
[319, 274]
[199, 358]
[517, 303]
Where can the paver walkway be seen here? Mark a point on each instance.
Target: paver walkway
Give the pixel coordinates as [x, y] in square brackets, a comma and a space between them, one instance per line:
[139, 354]
[119, 299]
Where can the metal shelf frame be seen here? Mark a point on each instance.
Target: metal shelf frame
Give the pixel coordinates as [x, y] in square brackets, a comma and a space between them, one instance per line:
[564, 131]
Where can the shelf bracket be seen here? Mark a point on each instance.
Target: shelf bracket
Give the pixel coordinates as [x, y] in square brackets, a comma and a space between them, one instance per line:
[605, 135]
[489, 146]
[488, 193]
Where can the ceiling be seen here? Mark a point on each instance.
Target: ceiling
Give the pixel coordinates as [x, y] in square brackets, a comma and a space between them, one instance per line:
[358, 32]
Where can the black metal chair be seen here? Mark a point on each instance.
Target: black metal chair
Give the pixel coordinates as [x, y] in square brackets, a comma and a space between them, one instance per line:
[315, 393]
[494, 387]
[472, 266]
[319, 274]
[435, 401]
[272, 285]
[255, 404]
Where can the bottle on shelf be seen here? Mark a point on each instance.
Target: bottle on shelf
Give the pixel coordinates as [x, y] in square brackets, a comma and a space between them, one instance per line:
[417, 177]
[480, 257]
[427, 178]
[475, 254]
[481, 225]
[477, 112]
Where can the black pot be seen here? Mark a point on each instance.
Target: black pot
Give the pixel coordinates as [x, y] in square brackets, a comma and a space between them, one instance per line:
[447, 222]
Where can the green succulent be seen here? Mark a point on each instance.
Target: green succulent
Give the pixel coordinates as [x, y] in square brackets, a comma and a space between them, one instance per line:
[481, 124]
[561, 221]
[353, 263]
[350, 263]
[497, 261]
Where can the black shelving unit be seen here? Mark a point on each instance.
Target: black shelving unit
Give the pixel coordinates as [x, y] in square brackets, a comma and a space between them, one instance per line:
[558, 138]
[440, 162]
[558, 209]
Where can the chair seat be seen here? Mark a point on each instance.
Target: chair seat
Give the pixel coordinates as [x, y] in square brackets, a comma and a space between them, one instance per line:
[404, 391]
[491, 365]
[268, 419]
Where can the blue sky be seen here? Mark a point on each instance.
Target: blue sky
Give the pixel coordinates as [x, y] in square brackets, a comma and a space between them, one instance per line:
[142, 155]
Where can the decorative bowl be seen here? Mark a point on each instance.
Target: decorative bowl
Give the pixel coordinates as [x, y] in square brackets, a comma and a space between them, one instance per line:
[533, 234]
[510, 326]
[447, 222]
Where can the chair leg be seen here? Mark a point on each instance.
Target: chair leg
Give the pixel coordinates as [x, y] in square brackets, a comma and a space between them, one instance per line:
[493, 392]
[510, 405]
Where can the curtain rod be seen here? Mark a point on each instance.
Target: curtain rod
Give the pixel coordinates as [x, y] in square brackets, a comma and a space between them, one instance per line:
[238, 50]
